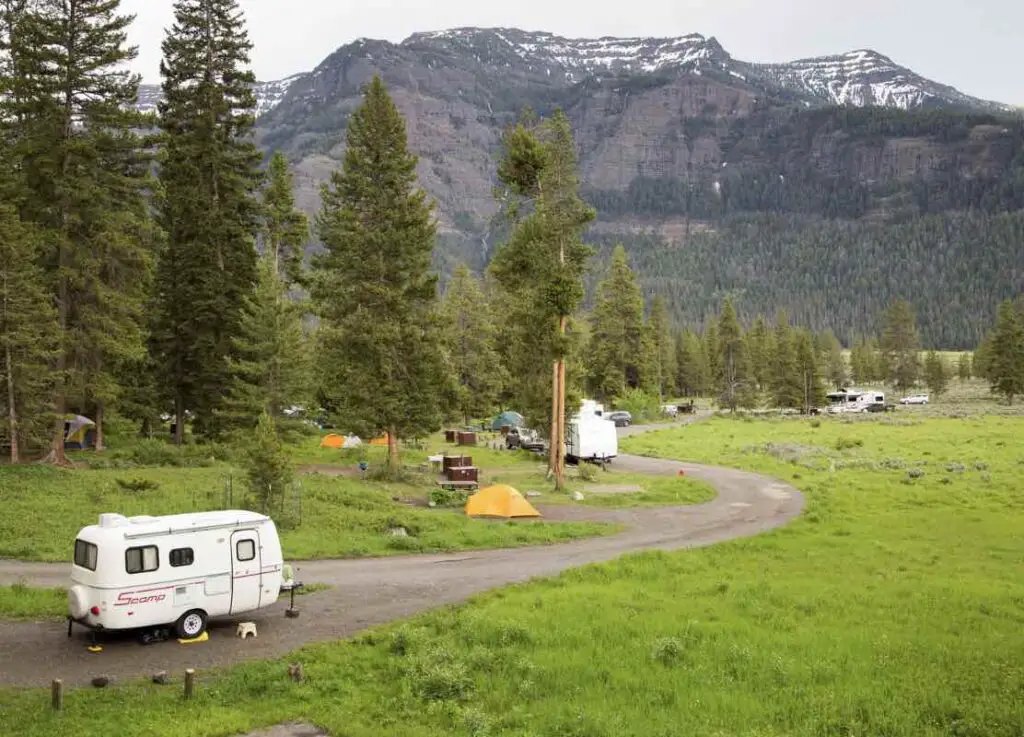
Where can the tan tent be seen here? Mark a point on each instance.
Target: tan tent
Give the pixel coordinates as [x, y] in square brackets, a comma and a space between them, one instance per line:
[501, 501]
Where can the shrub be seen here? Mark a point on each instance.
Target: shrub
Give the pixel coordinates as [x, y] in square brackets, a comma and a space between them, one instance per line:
[587, 472]
[845, 443]
[448, 497]
[640, 404]
[668, 651]
[437, 676]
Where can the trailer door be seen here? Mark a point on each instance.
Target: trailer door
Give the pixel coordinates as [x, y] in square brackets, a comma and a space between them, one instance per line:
[246, 571]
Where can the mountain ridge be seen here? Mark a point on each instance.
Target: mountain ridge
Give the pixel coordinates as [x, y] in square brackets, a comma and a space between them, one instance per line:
[859, 77]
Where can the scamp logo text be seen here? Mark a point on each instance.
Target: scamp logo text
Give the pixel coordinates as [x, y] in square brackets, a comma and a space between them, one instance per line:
[128, 599]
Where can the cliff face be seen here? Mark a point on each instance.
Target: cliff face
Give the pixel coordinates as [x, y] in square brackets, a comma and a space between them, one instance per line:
[679, 143]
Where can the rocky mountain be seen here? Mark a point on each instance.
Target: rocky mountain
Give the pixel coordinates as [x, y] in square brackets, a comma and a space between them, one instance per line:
[679, 142]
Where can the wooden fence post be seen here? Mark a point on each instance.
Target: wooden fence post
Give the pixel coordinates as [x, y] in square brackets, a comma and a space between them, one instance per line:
[57, 694]
[190, 676]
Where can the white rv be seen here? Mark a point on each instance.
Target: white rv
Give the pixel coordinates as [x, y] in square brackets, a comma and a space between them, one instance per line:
[590, 438]
[855, 400]
[176, 571]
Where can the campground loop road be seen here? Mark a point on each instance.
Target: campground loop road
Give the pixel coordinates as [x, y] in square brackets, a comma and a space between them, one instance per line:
[369, 592]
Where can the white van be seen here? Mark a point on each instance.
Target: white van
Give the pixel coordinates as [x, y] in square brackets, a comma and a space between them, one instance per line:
[590, 438]
[176, 570]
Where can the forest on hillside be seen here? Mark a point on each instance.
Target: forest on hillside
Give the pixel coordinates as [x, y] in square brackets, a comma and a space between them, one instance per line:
[840, 275]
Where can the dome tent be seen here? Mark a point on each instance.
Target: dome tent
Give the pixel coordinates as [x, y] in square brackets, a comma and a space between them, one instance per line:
[500, 501]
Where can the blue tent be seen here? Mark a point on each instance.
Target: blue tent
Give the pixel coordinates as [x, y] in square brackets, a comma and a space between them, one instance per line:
[512, 419]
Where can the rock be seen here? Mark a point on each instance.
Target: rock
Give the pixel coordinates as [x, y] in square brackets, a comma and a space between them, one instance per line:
[577, 496]
[398, 532]
[161, 678]
[100, 681]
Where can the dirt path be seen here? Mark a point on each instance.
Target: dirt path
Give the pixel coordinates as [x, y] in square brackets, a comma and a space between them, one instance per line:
[369, 592]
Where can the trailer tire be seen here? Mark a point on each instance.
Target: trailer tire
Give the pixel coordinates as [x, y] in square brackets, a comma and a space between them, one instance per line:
[191, 624]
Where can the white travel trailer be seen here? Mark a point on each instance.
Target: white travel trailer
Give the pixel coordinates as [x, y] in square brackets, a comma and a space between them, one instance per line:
[173, 571]
[590, 438]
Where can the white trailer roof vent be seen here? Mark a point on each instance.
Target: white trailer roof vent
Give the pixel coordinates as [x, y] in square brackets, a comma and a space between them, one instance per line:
[110, 519]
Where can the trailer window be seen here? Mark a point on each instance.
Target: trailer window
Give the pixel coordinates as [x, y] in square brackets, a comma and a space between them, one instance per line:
[141, 560]
[85, 555]
[181, 557]
[246, 550]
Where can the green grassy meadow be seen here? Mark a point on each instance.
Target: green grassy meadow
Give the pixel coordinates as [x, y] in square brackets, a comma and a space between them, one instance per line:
[894, 606]
[341, 516]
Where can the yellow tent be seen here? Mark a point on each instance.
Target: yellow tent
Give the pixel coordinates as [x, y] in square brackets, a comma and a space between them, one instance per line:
[332, 441]
[499, 500]
[382, 440]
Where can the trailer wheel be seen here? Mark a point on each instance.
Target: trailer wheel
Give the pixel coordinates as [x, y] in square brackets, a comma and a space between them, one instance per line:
[191, 624]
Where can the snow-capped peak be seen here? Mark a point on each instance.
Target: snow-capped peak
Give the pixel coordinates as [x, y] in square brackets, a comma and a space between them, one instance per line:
[579, 55]
[864, 77]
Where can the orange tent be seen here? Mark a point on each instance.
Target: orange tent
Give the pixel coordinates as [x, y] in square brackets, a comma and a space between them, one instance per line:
[332, 441]
[382, 440]
[499, 500]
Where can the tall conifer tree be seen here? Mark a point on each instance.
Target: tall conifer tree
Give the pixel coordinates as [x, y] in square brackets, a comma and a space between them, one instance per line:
[383, 369]
[470, 340]
[85, 174]
[209, 177]
[545, 258]
[616, 332]
[285, 227]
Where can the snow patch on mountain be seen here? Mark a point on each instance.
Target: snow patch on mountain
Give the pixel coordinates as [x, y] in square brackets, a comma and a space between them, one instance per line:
[268, 94]
[578, 56]
[862, 78]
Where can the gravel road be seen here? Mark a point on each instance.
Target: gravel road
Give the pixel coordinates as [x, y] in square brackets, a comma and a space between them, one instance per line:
[370, 592]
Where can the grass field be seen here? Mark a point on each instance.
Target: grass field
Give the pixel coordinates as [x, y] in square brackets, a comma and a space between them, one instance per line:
[341, 517]
[893, 606]
[334, 516]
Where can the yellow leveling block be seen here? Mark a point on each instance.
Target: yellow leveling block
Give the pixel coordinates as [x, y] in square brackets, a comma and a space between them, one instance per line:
[202, 638]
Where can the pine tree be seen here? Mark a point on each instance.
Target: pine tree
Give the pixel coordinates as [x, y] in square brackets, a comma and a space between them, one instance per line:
[544, 259]
[208, 206]
[812, 390]
[373, 287]
[285, 228]
[712, 355]
[616, 350]
[660, 336]
[1005, 360]
[936, 374]
[964, 369]
[27, 338]
[833, 361]
[272, 371]
[470, 342]
[757, 340]
[787, 378]
[692, 365]
[85, 173]
[269, 470]
[900, 345]
[981, 364]
[734, 381]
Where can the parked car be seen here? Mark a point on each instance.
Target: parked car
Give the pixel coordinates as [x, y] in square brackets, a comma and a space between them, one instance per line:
[525, 439]
[915, 399]
[621, 418]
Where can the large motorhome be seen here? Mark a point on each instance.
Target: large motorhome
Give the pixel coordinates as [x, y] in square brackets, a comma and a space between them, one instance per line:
[855, 400]
[175, 571]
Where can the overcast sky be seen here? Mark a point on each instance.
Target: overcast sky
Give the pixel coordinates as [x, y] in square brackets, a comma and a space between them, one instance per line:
[974, 45]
